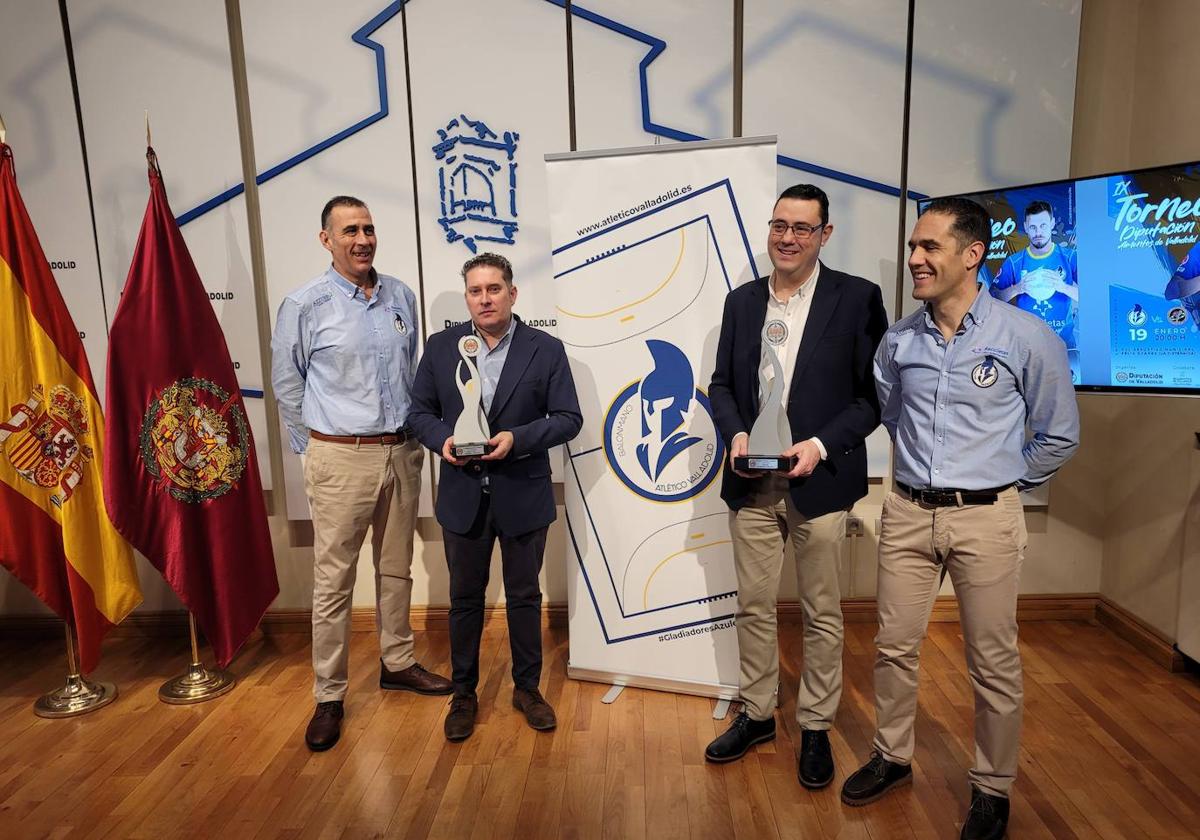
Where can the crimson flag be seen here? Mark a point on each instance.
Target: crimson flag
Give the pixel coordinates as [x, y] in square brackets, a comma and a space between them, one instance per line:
[180, 472]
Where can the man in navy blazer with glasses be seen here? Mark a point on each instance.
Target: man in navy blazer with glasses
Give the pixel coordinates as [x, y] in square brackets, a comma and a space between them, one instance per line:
[820, 327]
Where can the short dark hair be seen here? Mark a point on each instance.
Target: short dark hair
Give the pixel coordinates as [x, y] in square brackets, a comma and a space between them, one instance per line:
[339, 201]
[492, 260]
[1039, 206]
[808, 192]
[971, 222]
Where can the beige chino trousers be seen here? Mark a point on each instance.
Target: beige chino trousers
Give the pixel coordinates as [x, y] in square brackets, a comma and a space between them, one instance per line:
[981, 547]
[350, 488]
[759, 531]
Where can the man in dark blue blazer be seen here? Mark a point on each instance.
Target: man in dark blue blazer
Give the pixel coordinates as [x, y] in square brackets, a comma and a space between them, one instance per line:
[821, 329]
[529, 399]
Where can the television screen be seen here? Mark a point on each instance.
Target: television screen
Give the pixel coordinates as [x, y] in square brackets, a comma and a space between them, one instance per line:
[1112, 264]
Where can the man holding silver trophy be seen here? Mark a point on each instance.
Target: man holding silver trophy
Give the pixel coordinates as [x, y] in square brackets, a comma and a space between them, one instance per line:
[492, 396]
[794, 399]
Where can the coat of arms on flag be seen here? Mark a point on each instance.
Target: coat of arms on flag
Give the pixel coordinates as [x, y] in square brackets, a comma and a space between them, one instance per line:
[193, 440]
[42, 441]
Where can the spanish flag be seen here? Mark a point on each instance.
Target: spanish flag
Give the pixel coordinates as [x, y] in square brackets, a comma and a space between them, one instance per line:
[55, 534]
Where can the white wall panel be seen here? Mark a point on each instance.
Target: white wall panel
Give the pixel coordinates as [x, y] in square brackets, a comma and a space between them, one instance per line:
[39, 109]
[688, 83]
[993, 93]
[507, 69]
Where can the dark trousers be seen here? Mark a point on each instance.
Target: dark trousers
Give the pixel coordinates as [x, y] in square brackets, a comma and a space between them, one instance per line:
[469, 557]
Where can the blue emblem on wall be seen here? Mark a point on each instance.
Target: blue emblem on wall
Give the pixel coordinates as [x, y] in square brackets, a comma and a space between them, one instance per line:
[477, 183]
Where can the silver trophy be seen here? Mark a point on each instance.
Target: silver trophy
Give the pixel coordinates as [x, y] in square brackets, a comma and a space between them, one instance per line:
[769, 434]
[471, 429]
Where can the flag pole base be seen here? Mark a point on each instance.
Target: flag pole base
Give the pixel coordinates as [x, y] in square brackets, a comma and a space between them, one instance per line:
[77, 697]
[196, 686]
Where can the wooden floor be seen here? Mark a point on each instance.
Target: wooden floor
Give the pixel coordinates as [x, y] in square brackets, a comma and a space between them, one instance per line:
[1111, 749]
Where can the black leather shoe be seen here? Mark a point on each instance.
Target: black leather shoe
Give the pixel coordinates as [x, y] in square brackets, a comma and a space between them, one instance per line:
[414, 678]
[874, 779]
[741, 735]
[460, 722]
[815, 768]
[326, 726]
[987, 818]
[538, 713]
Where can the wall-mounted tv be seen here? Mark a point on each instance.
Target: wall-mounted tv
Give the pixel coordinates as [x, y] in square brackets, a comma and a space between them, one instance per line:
[1112, 264]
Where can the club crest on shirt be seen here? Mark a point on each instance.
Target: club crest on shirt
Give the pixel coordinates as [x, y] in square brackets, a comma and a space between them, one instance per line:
[776, 332]
[401, 327]
[985, 374]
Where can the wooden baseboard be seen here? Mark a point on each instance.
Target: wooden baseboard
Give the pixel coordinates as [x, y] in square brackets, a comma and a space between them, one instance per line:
[855, 610]
[1079, 607]
[1070, 607]
[1142, 636]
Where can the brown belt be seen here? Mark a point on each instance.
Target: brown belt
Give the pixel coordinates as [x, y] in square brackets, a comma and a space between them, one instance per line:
[391, 439]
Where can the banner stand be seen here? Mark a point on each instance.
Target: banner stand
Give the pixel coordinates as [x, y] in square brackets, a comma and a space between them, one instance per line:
[647, 243]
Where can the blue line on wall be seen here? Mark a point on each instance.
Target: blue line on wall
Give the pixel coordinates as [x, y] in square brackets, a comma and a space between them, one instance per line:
[657, 47]
[362, 37]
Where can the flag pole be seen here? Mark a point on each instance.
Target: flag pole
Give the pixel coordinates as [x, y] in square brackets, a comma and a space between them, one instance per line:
[79, 696]
[198, 683]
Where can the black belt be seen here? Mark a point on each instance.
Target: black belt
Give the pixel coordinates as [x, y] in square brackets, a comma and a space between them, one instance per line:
[949, 496]
[386, 439]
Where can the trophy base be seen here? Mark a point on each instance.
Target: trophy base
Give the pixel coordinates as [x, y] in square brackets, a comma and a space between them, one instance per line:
[764, 463]
[471, 450]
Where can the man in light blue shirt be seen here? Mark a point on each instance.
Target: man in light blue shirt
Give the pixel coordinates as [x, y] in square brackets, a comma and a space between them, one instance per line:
[343, 357]
[977, 397]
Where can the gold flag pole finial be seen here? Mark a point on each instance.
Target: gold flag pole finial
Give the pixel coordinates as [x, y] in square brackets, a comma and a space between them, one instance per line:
[151, 157]
[3, 130]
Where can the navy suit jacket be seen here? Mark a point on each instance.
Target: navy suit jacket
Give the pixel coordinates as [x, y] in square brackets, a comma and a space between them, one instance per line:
[535, 400]
[832, 394]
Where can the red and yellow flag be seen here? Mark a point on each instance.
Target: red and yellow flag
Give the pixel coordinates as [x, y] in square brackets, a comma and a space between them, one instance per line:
[55, 534]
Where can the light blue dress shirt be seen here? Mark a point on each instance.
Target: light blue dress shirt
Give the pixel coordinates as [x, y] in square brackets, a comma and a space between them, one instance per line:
[342, 364]
[491, 364]
[958, 410]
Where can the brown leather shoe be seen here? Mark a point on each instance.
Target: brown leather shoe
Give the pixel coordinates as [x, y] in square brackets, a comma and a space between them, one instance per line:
[460, 722]
[535, 708]
[325, 727]
[414, 678]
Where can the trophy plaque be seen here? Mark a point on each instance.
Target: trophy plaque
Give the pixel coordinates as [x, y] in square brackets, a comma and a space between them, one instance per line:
[471, 429]
[767, 441]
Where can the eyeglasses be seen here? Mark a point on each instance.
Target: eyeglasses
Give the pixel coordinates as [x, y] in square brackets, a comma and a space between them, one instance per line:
[800, 230]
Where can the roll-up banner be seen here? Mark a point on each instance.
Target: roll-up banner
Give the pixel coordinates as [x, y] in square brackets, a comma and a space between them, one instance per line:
[647, 242]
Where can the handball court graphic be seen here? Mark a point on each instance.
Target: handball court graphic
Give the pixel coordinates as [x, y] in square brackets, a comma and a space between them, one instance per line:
[628, 299]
